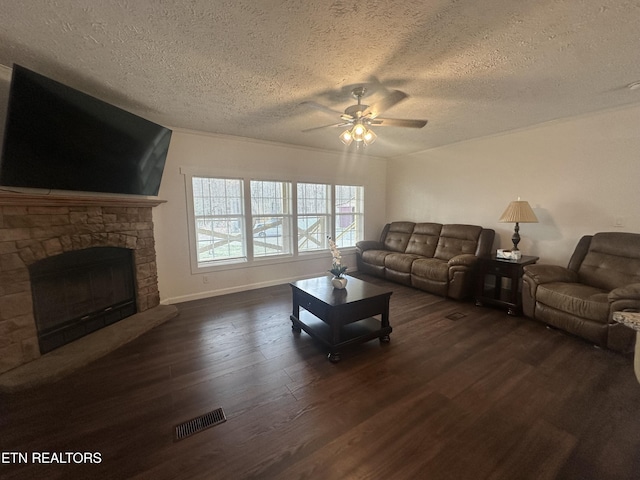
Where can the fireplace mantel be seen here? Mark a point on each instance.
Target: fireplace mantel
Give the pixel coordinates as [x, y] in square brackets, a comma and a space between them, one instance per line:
[66, 200]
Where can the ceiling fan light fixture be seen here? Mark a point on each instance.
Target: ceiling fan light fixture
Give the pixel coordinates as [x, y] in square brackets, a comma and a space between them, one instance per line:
[346, 137]
[358, 131]
[360, 117]
[360, 134]
[369, 137]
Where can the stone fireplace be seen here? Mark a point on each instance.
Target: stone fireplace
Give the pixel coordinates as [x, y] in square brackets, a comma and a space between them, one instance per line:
[34, 228]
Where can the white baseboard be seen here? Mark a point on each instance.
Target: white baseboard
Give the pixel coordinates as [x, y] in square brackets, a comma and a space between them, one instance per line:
[236, 289]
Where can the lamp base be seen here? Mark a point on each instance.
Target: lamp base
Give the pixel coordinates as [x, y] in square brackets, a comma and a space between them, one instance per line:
[516, 237]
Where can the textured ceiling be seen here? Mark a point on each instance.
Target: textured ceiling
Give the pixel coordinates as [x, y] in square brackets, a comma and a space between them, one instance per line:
[243, 67]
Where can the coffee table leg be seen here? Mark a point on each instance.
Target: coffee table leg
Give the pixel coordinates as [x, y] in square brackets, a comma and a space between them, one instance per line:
[334, 323]
[384, 324]
[294, 326]
[295, 314]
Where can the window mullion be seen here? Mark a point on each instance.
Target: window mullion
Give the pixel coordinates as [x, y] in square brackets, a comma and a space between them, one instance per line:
[248, 215]
[333, 219]
[294, 218]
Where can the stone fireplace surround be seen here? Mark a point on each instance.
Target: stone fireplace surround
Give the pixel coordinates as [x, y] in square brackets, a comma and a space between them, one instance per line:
[34, 227]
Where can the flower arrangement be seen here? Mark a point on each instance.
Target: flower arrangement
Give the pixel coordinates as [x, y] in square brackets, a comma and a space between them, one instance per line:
[337, 269]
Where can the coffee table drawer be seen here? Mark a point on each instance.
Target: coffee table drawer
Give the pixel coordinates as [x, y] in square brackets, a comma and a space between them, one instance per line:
[313, 305]
[359, 310]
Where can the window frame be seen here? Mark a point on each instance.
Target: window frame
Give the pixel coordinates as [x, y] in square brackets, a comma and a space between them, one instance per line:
[287, 216]
[358, 214]
[328, 216]
[225, 216]
[251, 260]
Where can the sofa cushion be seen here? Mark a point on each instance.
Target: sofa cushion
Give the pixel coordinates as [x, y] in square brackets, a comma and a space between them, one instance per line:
[375, 257]
[424, 239]
[575, 298]
[400, 262]
[613, 260]
[431, 268]
[457, 239]
[398, 236]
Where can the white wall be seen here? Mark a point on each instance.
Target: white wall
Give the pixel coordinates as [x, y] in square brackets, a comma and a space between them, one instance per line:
[233, 156]
[580, 175]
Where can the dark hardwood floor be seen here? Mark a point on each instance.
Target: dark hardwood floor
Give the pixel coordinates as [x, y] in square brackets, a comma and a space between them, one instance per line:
[486, 396]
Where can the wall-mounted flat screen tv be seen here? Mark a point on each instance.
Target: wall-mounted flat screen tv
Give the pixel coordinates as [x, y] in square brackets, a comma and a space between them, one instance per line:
[59, 138]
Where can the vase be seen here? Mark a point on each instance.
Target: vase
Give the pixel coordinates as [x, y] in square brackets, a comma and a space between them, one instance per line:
[339, 282]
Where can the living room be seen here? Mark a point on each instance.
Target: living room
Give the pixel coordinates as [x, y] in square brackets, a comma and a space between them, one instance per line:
[576, 173]
[232, 343]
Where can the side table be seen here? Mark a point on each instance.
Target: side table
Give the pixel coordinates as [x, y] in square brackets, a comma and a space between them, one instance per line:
[631, 320]
[501, 268]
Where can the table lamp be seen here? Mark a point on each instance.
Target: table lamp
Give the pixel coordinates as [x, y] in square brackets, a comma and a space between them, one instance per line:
[518, 212]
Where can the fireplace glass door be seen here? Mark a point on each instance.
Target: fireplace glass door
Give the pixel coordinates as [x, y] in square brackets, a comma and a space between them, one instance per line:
[79, 292]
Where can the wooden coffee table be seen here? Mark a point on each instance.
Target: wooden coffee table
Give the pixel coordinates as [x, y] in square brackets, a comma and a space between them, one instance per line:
[338, 318]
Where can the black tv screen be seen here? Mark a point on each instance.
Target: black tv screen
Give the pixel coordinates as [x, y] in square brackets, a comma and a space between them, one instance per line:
[59, 138]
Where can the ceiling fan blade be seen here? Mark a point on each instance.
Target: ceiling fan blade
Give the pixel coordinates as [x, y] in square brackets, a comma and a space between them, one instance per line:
[398, 122]
[322, 108]
[326, 126]
[394, 97]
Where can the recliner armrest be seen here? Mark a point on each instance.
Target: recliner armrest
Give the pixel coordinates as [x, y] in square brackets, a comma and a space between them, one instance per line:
[628, 292]
[465, 260]
[363, 245]
[550, 273]
[624, 299]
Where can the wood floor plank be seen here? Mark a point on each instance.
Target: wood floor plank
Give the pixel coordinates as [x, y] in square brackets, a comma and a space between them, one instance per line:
[477, 395]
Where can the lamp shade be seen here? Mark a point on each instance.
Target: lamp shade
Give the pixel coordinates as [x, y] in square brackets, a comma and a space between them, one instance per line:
[346, 137]
[369, 137]
[518, 211]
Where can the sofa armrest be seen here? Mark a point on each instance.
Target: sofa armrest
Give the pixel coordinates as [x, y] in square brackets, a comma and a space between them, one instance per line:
[625, 299]
[461, 275]
[464, 260]
[363, 245]
[541, 273]
[631, 292]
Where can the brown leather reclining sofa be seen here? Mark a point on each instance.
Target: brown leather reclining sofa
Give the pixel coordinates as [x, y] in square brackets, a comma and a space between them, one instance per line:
[603, 276]
[430, 256]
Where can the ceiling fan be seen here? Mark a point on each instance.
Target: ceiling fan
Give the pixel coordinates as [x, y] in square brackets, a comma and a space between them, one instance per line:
[359, 118]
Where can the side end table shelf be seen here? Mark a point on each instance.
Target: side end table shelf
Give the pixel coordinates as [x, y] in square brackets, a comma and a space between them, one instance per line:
[499, 269]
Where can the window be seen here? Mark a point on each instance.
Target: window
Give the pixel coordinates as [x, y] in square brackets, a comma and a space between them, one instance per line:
[349, 207]
[314, 216]
[219, 219]
[271, 217]
[241, 221]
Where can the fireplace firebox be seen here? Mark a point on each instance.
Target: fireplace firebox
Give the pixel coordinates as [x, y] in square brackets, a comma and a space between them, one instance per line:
[81, 291]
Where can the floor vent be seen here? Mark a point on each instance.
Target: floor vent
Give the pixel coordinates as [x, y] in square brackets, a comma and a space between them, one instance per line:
[456, 316]
[198, 424]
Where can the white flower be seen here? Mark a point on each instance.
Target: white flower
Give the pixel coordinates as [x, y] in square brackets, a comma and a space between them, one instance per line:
[337, 268]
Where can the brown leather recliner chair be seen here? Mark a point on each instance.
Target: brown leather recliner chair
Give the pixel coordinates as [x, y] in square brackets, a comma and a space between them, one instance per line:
[603, 276]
